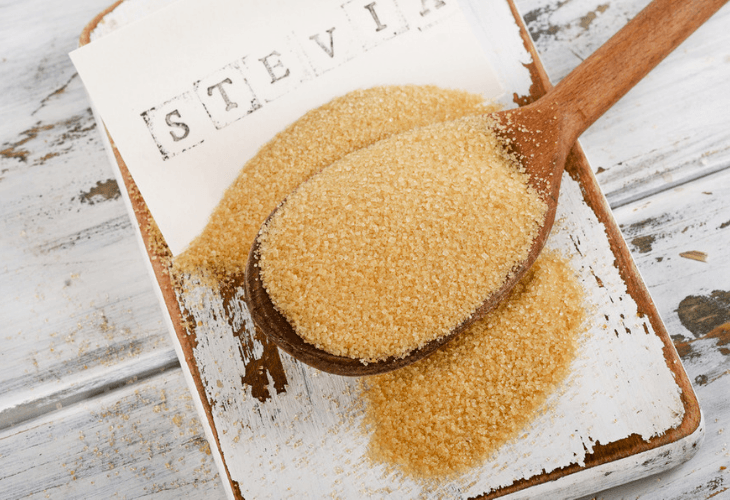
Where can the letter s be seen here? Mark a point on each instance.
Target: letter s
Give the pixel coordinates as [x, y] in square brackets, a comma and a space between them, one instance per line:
[178, 124]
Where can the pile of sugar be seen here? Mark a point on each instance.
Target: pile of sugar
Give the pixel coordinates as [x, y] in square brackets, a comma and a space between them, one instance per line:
[313, 142]
[396, 244]
[451, 411]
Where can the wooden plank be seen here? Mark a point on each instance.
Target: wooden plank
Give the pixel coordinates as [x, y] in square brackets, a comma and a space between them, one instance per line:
[672, 127]
[694, 295]
[79, 312]
[314, 410]
[694, 299]
[144, 440]
[34, 45]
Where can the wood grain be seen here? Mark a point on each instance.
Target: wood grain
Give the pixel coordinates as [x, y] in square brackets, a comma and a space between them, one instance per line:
[76, 321]
[142, 440]
[672, 227]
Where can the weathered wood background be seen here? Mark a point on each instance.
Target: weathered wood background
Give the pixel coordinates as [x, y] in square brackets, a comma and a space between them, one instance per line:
[92, 401]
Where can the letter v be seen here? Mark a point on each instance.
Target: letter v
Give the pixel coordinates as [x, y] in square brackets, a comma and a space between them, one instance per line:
[329, 50]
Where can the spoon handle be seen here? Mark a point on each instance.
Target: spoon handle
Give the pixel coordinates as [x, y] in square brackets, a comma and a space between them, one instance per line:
[602, 79]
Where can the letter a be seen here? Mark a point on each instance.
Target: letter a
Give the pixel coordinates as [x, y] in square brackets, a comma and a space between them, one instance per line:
[426, 10]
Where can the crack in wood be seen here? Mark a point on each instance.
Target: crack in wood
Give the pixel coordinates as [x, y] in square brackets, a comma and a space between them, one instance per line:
[55, 93]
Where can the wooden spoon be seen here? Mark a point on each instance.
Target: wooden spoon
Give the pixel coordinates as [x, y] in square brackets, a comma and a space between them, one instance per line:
[541, 134]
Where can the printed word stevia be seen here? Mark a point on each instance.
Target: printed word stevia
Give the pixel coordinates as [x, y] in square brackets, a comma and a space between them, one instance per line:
[248, 83]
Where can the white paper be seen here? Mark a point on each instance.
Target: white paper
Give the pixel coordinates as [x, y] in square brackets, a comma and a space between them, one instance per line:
[191, 92]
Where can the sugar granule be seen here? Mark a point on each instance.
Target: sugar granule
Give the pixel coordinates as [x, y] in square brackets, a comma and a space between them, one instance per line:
[396, 244]
[317, 139]
[449, 412]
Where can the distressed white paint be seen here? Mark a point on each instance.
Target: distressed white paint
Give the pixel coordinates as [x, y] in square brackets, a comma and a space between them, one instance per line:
[296, 443]
[686, 218]
[140, 440]
[75, 320]
[79, 315]
[682, 219]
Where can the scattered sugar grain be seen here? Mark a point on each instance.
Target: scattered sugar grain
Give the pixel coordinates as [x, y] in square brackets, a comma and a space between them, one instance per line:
[319, 138]
[449, 412]
[396, 244]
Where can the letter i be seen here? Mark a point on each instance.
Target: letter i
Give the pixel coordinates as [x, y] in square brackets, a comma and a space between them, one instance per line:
[371, 8]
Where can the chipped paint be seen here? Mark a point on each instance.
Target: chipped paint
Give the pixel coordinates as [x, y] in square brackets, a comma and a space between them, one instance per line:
[721, 333]
[694, 254]
[103, 191]
[15, 152]
[636, 233]
[586, 20]
[700, 314]
[540, 25]
[67, 131]
[263, 371]
[643, 243]
[643, 225]
[223, 324]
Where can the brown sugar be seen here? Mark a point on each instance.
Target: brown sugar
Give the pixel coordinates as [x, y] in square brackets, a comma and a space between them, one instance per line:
[396, 244]
[451, 411]
[316, 140]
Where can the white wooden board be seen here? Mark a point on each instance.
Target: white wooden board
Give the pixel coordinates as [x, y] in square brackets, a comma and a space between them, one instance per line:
[619, 386]
[140, 441]
[75, 320]
[662, 228]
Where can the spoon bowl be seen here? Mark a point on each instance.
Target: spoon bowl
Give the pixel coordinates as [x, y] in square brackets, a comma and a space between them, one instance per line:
[540, 135]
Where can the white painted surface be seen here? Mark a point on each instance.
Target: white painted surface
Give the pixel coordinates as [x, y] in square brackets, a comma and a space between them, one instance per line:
[295, 444]
[681, 219]
[652, 133]
[142, 440]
